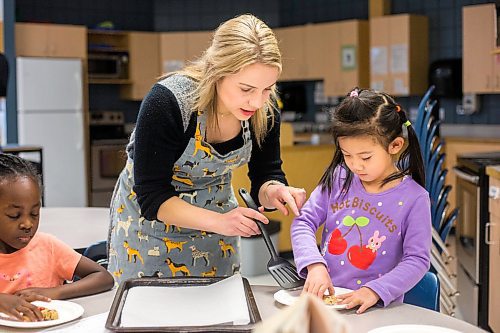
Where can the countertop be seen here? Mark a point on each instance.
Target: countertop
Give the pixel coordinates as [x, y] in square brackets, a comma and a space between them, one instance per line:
[79, 227]
[14, 148]
[482, 131]
[493, 171]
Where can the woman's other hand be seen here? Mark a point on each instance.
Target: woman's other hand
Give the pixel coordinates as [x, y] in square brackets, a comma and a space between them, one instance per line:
[280, 196]
[240, 222]
[318, 280]
[17, 306]
[364, 297]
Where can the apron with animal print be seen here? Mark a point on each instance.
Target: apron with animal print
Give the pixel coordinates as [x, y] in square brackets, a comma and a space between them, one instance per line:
[202, 176]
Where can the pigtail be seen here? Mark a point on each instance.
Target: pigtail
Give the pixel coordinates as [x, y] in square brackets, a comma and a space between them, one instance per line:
[410, 160]
[415, 160]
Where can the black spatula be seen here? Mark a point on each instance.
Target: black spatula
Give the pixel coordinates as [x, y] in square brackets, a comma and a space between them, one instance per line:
[281, 270]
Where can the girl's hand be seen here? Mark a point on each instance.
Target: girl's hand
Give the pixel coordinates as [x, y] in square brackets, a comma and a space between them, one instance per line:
[18, 307]
[318, 280]
[278, 195]
[364, 296]
[39, 294]
[240, 222]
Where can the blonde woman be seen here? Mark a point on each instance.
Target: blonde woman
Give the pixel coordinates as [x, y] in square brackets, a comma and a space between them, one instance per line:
[194, 127]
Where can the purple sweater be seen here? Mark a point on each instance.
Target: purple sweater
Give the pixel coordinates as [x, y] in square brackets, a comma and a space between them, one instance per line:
[378, 240]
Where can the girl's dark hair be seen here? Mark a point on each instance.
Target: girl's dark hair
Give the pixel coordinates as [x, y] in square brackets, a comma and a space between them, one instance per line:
[368, 112]
[12, 167]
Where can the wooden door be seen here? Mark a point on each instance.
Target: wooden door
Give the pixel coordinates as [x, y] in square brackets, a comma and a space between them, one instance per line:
[479, 27]
[196, 43]
[315, 44]
[291, 44]
[67, 41]
[144, 64]
[172, 51]
[32, 40]
[50, 40]
[333, 82]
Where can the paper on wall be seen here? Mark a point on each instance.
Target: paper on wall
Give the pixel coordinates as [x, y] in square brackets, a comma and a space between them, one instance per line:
[399, 58]
[218, 303]
[378, 60]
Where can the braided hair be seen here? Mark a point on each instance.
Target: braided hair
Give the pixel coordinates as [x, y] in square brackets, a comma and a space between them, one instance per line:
[373, 113]
[13, 167]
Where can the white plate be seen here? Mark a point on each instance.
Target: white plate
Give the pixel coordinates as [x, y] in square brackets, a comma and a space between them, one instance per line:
[287, 297]
[412, 329]
[67, 311]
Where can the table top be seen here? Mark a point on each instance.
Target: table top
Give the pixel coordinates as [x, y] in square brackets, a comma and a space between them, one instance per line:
[14, 148]
[371, 319]
[78, 227]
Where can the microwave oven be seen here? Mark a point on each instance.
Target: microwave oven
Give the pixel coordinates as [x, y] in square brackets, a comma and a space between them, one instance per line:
[108, 66]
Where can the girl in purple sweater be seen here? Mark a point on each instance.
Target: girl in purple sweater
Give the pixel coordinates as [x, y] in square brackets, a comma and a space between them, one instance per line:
[371, 202]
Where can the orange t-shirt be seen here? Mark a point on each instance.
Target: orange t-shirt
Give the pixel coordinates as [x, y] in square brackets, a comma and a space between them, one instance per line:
[44, 263]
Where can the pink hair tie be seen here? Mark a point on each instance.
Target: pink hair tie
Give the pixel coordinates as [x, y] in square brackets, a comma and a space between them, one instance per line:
[354, 93]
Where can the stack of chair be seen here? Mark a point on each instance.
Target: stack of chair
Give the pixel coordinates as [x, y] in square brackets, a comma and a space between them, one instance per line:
[443, 217]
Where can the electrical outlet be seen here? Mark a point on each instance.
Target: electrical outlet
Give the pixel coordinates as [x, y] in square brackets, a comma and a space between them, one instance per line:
[470, 103]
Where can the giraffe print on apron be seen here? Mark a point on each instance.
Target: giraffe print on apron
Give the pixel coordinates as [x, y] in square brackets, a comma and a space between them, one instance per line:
[139, 247]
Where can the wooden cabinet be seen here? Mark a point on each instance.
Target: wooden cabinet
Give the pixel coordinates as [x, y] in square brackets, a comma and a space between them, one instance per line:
[481, 66]
[172, 51]
[178, 48]
[399, 54]
[144, 64]
[494, 271]
[196, 43]
[347, 54]
[316, 40]
[293, 54]
[142, 51]
[50, 40]
[104, 47]
[335, 52]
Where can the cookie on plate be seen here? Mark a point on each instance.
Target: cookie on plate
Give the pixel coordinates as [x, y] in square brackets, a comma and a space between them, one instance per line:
[330, 299]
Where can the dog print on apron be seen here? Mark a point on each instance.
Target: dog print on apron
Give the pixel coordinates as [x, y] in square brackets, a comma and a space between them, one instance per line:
[139, 247]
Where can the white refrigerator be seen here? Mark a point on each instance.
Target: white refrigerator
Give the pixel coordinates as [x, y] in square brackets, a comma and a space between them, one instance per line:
[50, 114]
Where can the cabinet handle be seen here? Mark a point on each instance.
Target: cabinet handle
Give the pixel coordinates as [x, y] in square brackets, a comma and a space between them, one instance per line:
[487, 239]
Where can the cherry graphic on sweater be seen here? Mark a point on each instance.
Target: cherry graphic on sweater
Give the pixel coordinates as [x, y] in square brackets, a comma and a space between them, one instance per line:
[337, 243]
[358, 255]
[363, 256]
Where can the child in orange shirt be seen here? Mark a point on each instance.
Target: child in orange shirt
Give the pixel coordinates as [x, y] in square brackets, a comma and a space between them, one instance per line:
[34, 266]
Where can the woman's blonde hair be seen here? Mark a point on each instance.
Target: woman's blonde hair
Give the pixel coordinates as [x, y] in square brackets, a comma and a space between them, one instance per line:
[238, 42]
